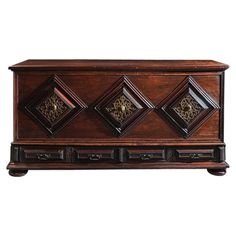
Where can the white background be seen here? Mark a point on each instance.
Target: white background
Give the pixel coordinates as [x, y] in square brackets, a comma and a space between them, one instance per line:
[121, 202]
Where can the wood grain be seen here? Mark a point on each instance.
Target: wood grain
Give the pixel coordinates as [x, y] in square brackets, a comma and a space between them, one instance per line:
[89, 142]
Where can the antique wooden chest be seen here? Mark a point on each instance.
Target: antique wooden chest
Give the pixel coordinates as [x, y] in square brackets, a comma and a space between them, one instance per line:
[114, 114]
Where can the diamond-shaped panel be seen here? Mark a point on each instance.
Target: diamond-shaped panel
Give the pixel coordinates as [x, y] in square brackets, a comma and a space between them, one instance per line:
[53, 105]
[123, 106]
[188, 107]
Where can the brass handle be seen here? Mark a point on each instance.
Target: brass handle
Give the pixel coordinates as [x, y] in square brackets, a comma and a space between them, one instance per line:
[145, 157]
[43, 157]
[194, 156]
[95, 157]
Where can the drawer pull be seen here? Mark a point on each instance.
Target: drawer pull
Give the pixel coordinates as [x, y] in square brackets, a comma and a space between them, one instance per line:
[43, 157]
[145, 157]
[95, 157]
[194, 156]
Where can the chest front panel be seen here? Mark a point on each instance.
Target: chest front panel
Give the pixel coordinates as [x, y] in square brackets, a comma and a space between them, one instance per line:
[130, 106]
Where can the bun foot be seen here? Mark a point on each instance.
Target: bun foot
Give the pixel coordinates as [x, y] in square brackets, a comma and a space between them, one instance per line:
[217, 172]
[17, 173]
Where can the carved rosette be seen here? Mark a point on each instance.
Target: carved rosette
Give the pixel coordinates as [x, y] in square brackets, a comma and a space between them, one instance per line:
[121, 109]
[188, 108]
[123, 106]
[52, 108]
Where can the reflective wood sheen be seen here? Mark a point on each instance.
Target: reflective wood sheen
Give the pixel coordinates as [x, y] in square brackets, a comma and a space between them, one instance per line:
[120, 124]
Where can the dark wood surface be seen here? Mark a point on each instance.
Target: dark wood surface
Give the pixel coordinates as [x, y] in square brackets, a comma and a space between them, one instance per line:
[89, 125]
[162, 165]
[128, 65]
[90, 140]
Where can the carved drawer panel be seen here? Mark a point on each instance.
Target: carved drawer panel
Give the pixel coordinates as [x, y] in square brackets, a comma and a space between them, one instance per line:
[44, 154]
[94, 155]
[145, 155]
[192, 155]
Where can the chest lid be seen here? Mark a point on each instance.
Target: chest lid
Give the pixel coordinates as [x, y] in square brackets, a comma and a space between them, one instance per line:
[120, 65]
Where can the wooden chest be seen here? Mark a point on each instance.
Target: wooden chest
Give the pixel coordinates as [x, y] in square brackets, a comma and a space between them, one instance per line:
[114, 114]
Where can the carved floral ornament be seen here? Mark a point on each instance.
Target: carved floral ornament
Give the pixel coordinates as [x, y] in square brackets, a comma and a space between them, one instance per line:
[121, 109]
[188, 108]
[52, 108]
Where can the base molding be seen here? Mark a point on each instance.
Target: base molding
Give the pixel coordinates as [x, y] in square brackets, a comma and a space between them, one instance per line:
[20, 169]
[51, 157]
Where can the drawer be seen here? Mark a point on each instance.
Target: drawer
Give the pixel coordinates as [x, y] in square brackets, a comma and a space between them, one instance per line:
[145, 155]
[191, 155]
[94, 155]
[30, 154]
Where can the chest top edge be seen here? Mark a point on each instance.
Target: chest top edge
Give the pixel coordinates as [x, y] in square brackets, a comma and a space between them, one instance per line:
[121, 65]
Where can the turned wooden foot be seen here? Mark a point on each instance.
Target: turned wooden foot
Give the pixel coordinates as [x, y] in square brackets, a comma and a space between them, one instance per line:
[17, 173]
[217, 172]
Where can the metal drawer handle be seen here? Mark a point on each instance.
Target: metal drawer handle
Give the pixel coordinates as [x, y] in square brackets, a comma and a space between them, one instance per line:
[95, 157]
[145, 157]
[43, 157]
[194, 156]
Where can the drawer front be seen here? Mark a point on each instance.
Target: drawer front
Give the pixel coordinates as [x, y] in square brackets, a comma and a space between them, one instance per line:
[29, 154]
[94, 155]
[191, 155]
[145, 155]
